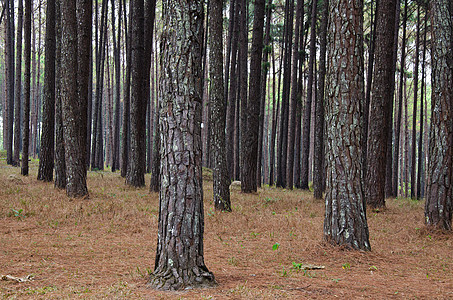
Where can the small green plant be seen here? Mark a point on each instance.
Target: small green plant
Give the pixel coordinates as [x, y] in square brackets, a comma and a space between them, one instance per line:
[284, 273]
[275, 246]
[18, 213]
[297, 266]
[346, 266]
[373, 268]
[233, 261]
[255, 234]
[211, 212]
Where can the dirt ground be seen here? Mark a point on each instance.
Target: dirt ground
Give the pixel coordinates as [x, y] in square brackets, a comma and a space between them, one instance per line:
[104, 247]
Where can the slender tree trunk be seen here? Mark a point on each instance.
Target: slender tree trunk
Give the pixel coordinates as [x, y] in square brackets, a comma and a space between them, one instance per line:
[380, 109]
[318, 157]
[34, 121]
[72, 119]
[46, 153]
[396, 152]
[345, 219]
[308, 102]
[275, 110]
[243, 86]
[155, 173]
[421, 160]
[125, 145]
[36, 144]
[60, 162]
[294, 99]
[390, 138]
[266, 66]
[179, 260]
[18, 86]
[439, 190]
[414, 112]
[10, 77]
[27, 73]
[116, 54]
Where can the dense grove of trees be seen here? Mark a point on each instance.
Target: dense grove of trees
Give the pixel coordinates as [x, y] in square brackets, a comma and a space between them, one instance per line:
[354, 99]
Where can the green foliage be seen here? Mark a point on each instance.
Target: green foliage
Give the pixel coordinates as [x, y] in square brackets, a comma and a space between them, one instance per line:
[275, 246]
[346, 266]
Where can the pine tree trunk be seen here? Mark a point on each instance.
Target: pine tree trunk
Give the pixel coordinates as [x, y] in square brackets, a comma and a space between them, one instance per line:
[318, 153]
[71, 104]
[345, 219]
[116, 53]
[10, 76]
[155, 173]
[221, 181]
[18, 86]
[179, 260]
[396, 152]
[46, 153]
[249, 142]
[60, 162]
[439, 188]
[380, 109]
[27, 73]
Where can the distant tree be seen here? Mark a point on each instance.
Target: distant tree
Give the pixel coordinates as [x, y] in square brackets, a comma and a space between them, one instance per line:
[27, 73]
[439, 188]
[18, 92]
[46, 157]
[179, 260]
[71, 104]
[221, 184]
[345, 219]
[380, 105]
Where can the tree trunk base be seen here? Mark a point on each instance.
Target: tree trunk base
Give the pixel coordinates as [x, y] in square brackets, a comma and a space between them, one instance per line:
[174, 279]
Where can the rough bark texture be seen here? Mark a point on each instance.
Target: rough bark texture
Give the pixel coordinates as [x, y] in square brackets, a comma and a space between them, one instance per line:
[27, 57]
[345, 219]
[241, 106]
[249, 142]
[84, 16]
[221, 180]
[116, 53]
[72, 120]
[308, 101]
[318, 153]
[179, 258]
[439, 187]
[380, 104]
[18, 92]
[46, 157]
[60, 162]
[136, 173]
[421, 148]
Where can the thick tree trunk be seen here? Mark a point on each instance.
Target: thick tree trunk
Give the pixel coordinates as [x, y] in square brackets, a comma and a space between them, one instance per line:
[27, 73]
[380, 109]
[439, 188]
[18, 86]
[221, 181]
[71, 104]
[318, 153]
[46, 153]
[249, 142]
[345, 219]
[179, 260]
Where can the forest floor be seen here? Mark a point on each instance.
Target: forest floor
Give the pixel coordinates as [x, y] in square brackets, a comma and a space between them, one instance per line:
[104, 246]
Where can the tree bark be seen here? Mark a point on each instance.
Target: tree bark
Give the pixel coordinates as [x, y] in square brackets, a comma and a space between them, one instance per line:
[27, 73]
[308, 101]
[179, 260]
[421, 156]
[345, 219]
[18, 86]
[117, 53]
[71, 104]
[221, 181]
[380, 109]
[10, 77]
[439, 188]
[249, 142]
[46, 157]
[318, 153]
